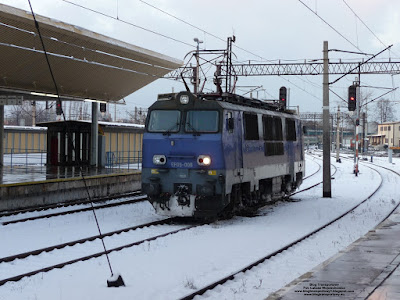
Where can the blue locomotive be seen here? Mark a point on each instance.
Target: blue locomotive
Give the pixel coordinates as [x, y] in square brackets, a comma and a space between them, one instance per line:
[216, 155]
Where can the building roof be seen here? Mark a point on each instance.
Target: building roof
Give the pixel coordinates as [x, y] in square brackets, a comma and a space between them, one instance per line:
[86, 123]
[389, 123]
[376, 135]
[85, 64]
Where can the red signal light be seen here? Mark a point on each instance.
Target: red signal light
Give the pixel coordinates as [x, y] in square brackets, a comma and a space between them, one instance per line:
[282, 95]
[58, 108]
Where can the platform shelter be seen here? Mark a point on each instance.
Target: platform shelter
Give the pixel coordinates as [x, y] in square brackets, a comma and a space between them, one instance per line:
[68, 143]
[87, 66]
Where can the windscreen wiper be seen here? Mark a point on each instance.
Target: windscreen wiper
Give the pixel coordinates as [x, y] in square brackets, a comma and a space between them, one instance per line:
[168, 132]
[195, 132]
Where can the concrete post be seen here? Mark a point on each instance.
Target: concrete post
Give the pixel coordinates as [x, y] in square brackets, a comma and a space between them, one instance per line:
[338, 135]
[326, 170]
[1, 135]
[95, 135]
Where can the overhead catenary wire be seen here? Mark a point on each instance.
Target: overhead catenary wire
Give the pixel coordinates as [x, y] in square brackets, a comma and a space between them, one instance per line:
[59, 99]
[333, 28]
[369, 29]
[198, 28]
[181, 20]
[383, 44]
[128, 23]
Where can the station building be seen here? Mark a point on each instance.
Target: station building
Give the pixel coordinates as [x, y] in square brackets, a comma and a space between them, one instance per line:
[388, 135]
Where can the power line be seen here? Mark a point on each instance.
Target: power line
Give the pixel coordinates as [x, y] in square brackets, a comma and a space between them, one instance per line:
[198, 28]
[364, 24]
[179, 19]
[330, 26]
[319, 99]
[128, 23]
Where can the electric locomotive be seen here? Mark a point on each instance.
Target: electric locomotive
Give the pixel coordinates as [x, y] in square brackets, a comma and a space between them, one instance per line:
[214, 155]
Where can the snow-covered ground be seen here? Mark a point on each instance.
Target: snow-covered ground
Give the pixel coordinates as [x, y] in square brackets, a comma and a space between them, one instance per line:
[171, 267]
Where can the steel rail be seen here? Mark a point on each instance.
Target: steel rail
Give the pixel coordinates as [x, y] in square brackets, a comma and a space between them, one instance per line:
[319, 169]
[64, 204]
[68, 212]
[98, 254]
[314, 185]
[269, 256]
[81, 241]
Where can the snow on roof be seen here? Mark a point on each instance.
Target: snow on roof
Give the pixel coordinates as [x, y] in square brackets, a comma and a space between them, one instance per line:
[109, 124]
[386, 123]
[120, 124]
[25, 127]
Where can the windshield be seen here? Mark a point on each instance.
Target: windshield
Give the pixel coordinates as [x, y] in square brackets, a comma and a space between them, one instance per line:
[201, 121]
[164, 121]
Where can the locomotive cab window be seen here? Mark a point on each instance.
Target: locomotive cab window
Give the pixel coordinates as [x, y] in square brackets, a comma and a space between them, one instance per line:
[202, 121]
[164, 121]
[290, 130]
[250, 127]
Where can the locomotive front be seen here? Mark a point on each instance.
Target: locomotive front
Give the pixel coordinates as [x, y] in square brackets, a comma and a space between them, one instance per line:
[183, 164]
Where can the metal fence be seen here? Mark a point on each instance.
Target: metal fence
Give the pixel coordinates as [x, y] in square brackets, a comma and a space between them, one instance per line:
[31, 157]
[124, 159]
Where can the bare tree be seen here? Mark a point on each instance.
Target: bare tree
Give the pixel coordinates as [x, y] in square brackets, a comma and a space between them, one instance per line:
[384, 111]
[23, 114]
[137, 116]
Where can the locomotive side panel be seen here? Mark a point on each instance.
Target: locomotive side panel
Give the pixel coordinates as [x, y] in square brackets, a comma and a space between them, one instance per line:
[272, 156]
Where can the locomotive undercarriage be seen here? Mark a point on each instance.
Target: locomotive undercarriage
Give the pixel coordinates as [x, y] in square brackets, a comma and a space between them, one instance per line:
[243, 201]
[208, 199]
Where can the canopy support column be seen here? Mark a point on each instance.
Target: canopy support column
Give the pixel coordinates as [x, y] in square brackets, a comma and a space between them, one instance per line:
[1, 135]
[95, 135]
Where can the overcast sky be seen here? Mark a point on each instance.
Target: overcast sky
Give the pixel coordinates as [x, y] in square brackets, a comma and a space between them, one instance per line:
[265, 31]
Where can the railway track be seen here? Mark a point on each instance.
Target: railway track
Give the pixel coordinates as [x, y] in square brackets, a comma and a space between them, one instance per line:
[35, 254]
[314, 173]
[138, 198]
[62, 205]
[60, 265]
[311, 175]
[296, 242]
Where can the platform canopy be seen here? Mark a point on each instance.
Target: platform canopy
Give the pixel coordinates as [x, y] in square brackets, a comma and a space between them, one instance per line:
[86, 65]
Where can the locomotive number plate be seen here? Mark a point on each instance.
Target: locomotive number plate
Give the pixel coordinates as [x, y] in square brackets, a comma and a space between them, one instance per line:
[175, 164]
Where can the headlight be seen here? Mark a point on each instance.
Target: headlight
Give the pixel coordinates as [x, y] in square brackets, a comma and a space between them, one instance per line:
[184, 99]
[159, 159]
[204, 160]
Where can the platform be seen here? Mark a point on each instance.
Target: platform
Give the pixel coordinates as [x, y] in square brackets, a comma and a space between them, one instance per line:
[368, 269]
[27, 173]
[27, 186]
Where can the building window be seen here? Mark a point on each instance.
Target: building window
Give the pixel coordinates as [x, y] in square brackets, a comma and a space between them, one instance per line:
[386, 141]
[389, 128]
